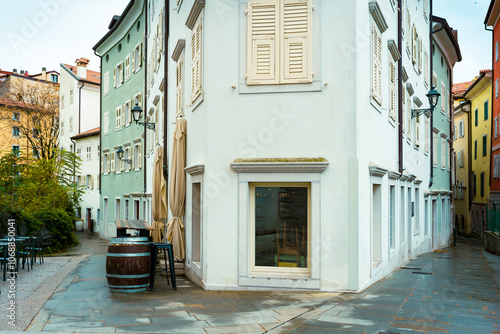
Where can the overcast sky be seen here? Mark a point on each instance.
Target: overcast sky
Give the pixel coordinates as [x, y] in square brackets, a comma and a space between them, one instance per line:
[45, 33]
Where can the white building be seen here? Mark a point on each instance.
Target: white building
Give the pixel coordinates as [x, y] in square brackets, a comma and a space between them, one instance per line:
[305, 168]
[79, 130]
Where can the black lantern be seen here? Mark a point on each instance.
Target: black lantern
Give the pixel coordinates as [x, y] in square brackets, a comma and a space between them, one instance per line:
[119, 153]
[433, 97]
[137, 113]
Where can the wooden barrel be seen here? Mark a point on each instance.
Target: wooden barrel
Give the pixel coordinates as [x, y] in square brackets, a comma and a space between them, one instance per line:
[128, 264]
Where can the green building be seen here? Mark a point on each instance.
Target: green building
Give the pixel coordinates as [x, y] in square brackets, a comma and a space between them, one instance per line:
[445, 53]
[122, 181]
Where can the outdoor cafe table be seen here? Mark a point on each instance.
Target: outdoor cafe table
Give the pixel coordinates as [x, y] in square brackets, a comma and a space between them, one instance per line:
[122, 225]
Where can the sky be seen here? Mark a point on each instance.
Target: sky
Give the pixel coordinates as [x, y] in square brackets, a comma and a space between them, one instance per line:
[45, 33]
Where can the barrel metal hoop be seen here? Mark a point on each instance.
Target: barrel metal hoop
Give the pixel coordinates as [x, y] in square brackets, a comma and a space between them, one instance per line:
[129, 286]
[128, 254]
[128, 276]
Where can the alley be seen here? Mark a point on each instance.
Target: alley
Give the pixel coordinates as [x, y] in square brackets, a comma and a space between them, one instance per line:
[454, 291]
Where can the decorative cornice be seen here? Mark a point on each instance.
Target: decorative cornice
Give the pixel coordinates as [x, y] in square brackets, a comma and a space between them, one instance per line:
[282, 165]
[377, 170]
[435, 130]
[126, 195]
[417, 181]
[195, 12]
[427, 194]
[435, 192]
[156, 100]
[137, 194]
[405, 177]
[411, 177]
[377, 15]
[417, 101]
[394, 175]
[181, 44]
[195, 169]
[409, 88]
[405, 75]
[394, 50]
[162, 85]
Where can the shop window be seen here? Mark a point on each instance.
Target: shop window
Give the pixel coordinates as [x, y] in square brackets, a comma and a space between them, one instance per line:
[280, 215]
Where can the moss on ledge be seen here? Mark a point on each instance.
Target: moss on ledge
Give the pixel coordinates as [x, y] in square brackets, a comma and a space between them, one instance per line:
[278, 160]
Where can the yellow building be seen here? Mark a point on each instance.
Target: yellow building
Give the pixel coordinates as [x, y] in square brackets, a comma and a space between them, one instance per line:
[12, 120]
[479, 95]
[461, 146]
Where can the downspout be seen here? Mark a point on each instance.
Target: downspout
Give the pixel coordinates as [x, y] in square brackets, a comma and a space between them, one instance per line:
[74, 163]
[100, 122]
[453, 167]
[165, 91]
[80, 106]
[400, 88]
[431, 77]
[145, 100]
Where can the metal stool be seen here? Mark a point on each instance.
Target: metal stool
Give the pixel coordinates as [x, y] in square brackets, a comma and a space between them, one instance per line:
[167, 250]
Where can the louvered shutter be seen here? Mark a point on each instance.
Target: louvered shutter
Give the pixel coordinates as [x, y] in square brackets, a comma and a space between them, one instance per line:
[414, 44]
[403, 114]
[178, 87]
[102, 164]
[443, 153]
[408, 31]
[262, 39]
[139, 156]
[419, 55]
[408, 116]
[443, 98]
[114, 77]
[196, 47]
[296, 43]
[133, 61]
[393, 96]
[417, 131]
[434, 149]
[91, 181]
[376, 64]
[113, 163]
[123, 116]
[127, 66]
[108, 164]
[426, 68]
[427, 135]
[133, 158]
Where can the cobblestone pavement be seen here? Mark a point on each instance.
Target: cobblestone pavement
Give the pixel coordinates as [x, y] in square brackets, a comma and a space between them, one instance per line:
[446, 292]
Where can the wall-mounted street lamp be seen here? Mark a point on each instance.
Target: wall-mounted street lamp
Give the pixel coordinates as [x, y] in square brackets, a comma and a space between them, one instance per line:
[119, 153]
[137, 113]
[433, 97]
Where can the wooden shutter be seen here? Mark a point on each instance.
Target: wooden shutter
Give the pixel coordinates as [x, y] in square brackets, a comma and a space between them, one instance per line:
[403, 114]
[296, 42]
[123, 116]
[414, 44]
[427, 135]
[443, 152]
[408, 31]
[113, 162]
[127, 66]
[376, 64]
[434, 148]
[114, 77]
[91, 181]
[262, 39]
[443, 98]
[102, 164]
[393, 92]
[419, 55]
[139, 156]
[417, 131]
[178, 87]
[133, 158]
[133, 61]
[196, 47]
[108, 163]
[426, 68]
[408, 116]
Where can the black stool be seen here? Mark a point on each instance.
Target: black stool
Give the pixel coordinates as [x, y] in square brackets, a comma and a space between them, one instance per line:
[167, 249]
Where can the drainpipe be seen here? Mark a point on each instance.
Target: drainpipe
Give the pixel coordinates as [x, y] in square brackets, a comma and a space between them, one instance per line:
[431, 77]
[492, 96]
[165, 90]
[80, 106]
[400, 88]
[145, 100]
[74, 164]
[100, 122]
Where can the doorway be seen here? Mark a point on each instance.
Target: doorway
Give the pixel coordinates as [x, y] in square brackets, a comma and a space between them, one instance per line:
[89, 219]
[434, 224]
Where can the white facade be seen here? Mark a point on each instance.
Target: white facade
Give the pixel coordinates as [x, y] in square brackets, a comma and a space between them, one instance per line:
[316, 126]
[79, 130]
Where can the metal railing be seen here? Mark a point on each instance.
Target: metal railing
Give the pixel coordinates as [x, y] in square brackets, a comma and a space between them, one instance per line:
[493, 219]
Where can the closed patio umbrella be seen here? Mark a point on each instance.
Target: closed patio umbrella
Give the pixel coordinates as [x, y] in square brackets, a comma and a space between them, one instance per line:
[159, 197]
[177, 190]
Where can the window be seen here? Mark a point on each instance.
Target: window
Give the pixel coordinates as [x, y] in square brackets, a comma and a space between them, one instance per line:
[402, 215]
[127, 155]
[16, 150]
[448, 154]
[476, 116]
[408, 31]
[119, 117]
[454, 132]
[408, 116]
[427, 135]
[137, 58]
[62, 128]
[196, 222]
[53, 78]
[105, 122]
[426, 68]
[475, 149]
[89, 182]
[106, 83]
[127, 113]
[376, 64]
[15, 132]
[35, 133]
[137, 157]
[417, 131]
[79, 152]
[71, 124]
[112, 161]
[71, 96]
[461, 161]
[482, 183]
[392, 217]
[62, 101]
[127, 67]
[279, 50]
[16, 116]
[496, 88]
[485, 110]
[461, 132]
[414, 45]
[104, 163]
[117, 209]
[419, 55]
[280, 236]
[485, 145]
[496, 51]
[376, 225]
[89, 152]
[392, 89]
[443, 98]
[118, 75]
[35, 153]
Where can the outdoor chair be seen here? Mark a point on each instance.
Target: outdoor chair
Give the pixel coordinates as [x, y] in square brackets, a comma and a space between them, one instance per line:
[36, 249]
[168, 253]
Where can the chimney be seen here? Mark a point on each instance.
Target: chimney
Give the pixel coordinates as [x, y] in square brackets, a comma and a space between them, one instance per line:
[22, 71]
[44, 73]
[81, 67]
[14, 70]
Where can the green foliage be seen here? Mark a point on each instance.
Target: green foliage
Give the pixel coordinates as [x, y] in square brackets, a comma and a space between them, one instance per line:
[41, 195]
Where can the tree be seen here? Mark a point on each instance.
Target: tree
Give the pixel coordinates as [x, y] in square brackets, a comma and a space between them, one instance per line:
[38, 103]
